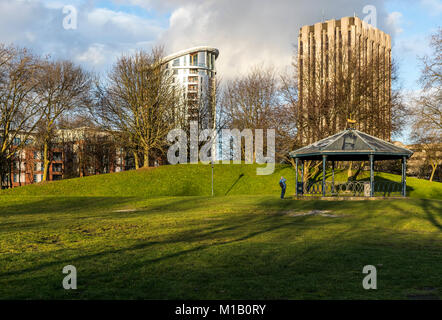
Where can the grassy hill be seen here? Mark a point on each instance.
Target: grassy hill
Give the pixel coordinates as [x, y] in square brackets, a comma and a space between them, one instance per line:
[195, 180]
[157, 234]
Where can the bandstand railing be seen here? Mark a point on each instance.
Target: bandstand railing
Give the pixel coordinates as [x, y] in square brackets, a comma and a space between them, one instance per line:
[352, 188]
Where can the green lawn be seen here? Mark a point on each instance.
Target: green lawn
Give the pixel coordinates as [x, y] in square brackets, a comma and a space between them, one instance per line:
[195, 180]
[131, 242]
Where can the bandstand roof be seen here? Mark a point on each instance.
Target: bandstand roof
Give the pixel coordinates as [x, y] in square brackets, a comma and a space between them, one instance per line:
[351, 145]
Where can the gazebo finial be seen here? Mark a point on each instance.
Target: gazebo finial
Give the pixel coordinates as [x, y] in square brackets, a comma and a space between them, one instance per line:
[351, 124]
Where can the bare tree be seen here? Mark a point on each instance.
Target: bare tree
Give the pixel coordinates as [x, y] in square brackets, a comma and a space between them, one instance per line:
[427, 108]
[290, 93]
[250, 100]
[87, 149]
[432, 149]
[428, 111]
[108, 117]
[20, 110]
[140, 102]
[62, 87]
[432, 71]
[96, 153]
[255, 101]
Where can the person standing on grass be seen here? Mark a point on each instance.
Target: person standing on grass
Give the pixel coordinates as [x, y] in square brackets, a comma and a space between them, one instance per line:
[283, 186]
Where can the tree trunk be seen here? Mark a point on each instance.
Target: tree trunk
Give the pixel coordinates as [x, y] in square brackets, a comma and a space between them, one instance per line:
[359, 170]
[45, 161]
[19, 170]
[137, 163]
[434, 167]
[310, 169]
[146, 158]
[349, 172]
[80, 162]
[10, 173]
[306, 170]
[292, 162]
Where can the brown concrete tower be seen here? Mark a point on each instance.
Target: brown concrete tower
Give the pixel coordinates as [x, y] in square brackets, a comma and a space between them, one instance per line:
[344, 71]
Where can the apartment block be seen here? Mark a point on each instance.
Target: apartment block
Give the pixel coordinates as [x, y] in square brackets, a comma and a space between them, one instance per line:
[343, 65]
[74, 153]
[194, 74]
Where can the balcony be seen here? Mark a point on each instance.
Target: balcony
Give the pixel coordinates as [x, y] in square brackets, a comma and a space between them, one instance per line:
[192, 88]
[192, 79]
[57, 168]
[57, 157]
[192, 96]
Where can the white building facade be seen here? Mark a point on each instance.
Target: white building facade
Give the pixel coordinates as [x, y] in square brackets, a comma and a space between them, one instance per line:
[194, 71]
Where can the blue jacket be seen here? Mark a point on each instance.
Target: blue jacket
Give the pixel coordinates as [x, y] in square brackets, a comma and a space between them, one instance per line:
[282, 183]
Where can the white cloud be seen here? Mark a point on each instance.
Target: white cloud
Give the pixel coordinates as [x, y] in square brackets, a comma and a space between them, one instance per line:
[111, 20]
[101, 35]
[247, 32]
[251, 32]
[394, 20]
[412, 45]
[94, 55]
[30, 36]
[180, 18]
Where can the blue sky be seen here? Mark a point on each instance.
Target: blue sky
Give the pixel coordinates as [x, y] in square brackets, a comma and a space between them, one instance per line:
[417, 21]
[246, 32]
[161, 16]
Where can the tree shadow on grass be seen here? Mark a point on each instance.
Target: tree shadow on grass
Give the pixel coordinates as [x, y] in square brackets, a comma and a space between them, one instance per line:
[234, 183]
[432, 210]
[60, 205]
[387, 187]
[72, 210]
[222, 228]
[311, 267]
[246, 256]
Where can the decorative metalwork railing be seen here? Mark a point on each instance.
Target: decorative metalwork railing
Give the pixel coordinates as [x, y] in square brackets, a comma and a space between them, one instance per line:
[352, 188]
[387, 188]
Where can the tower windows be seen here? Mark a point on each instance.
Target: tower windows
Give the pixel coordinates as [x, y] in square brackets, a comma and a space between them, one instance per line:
[194, 59]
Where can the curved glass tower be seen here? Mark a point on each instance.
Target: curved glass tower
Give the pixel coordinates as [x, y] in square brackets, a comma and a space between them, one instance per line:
[194, 70]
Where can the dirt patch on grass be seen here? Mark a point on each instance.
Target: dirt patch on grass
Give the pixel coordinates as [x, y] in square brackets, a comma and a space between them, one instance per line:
[51, 239]
[292, 213]
[322, 213]
[124, 210]
[102, 230]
